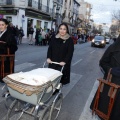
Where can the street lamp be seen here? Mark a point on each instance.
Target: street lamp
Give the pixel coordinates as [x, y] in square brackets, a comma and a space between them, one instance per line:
[57, 18]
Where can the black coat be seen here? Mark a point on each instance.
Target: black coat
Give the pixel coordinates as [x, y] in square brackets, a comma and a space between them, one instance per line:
[11, 43]
[61, 51]
[110, 59]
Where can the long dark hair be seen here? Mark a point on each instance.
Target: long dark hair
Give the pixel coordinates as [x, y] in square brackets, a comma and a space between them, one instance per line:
[4, 20]
[65, 26]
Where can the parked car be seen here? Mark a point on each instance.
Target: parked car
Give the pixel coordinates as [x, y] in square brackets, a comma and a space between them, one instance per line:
[98, 41]
[107, 40]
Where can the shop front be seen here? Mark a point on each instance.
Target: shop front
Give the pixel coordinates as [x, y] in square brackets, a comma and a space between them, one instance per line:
[8, 14]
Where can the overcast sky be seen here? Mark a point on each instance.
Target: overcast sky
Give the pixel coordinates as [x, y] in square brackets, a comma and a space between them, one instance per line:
[102, 10]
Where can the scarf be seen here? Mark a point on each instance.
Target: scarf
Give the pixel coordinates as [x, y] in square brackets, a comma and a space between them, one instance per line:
[65, 37]
[2, 33]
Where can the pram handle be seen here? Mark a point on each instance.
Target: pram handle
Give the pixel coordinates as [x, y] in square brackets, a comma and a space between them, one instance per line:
[57, 63]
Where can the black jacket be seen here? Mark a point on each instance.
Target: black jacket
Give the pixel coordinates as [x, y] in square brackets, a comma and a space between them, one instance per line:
[110, 59]
[11, 43]
[61, 51]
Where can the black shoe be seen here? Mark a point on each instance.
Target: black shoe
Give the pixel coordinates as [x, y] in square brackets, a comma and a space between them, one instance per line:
[56, 91]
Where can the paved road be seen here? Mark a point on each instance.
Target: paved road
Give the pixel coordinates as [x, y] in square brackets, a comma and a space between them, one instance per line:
[84, 72]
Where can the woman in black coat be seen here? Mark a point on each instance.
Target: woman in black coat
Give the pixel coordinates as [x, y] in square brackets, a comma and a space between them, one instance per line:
[7, 40]
[111, 59]
[61, 50]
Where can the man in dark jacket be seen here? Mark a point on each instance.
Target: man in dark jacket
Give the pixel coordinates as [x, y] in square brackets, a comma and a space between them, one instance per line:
[30, 32]
[111, 59]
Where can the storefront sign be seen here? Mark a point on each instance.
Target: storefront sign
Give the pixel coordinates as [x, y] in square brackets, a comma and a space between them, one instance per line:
[8, 12]
[37, 15]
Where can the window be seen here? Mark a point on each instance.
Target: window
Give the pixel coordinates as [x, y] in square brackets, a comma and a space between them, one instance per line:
[45, 25]
[39, 4]
[30, 3]
[9, 2]
[9, 18]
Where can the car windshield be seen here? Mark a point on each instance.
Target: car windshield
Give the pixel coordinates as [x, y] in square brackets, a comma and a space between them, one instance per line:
[99, 38]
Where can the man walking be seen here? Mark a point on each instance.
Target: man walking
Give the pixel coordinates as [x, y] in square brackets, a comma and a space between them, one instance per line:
[30, 33]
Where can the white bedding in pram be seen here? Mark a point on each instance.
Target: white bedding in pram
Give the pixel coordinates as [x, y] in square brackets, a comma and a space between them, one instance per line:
[35, 77]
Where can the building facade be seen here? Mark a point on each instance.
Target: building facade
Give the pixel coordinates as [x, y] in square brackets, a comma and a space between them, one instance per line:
[85, 16]
[70, 13]
[25, 13]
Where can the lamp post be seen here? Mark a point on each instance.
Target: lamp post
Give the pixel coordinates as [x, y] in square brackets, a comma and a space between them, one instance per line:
[57, 18]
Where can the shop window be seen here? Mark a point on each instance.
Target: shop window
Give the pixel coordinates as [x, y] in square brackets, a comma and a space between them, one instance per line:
[9, 18]
[45, 25]
[9, 2]
[38, 25]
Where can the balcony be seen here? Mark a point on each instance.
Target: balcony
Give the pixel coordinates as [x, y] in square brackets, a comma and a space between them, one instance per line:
[58, 1]
[40, 7]
[7, 3]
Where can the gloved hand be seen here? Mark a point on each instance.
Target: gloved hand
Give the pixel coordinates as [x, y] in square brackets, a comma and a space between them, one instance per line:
[62, 63]
[115, 71]
[49, 61]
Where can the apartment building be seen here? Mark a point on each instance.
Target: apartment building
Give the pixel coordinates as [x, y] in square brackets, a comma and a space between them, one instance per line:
[70, 13]
[85, 16]
[25, 13]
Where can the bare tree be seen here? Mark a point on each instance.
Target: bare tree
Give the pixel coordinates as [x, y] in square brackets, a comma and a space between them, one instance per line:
[115, 27]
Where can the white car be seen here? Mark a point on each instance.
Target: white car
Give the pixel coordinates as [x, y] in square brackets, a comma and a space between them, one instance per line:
[107, 40]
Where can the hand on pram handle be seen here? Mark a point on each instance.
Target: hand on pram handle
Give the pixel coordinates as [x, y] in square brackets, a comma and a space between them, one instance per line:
[62, 64]
[51, 62]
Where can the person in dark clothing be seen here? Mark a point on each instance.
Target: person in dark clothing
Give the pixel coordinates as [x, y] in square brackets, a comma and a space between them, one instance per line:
[111, 60]
[30, 33]
[36, 37]
[21, 34]
[17, 34]
[61, 50]
[7, 40]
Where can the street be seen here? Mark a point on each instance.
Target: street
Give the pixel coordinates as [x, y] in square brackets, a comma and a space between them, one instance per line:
[84, 72]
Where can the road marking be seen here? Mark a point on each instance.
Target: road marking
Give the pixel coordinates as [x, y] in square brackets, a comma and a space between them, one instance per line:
[67, 88]
[23, 66]
[86, 113]
[77, 62]
[92, 52]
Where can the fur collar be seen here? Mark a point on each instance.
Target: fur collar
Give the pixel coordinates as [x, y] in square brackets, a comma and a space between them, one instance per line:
[64, 37]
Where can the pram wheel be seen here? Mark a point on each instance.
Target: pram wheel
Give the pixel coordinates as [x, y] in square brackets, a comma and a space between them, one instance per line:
[52, 112]
[14, 111]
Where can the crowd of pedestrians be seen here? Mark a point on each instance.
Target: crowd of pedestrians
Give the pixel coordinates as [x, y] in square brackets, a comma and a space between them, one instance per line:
[18, 33]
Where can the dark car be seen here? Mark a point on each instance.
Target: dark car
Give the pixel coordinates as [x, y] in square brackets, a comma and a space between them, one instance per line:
[98, 41]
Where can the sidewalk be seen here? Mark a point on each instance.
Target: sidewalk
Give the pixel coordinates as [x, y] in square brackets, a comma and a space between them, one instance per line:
[87, 113]
[26, 40]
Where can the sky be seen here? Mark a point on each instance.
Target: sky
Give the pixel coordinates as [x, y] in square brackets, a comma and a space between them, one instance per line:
[103, 9]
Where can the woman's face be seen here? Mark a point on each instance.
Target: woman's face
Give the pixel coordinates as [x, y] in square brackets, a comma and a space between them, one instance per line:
[3, 26]
[62, 30]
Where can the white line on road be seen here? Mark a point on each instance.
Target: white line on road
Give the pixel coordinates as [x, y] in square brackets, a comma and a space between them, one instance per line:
[77, 62]
[92, 52]
[86, 113]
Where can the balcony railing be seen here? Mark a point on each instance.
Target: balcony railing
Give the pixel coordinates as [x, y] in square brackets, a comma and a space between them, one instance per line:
[38, 6]
[59, 1]
[7, 2]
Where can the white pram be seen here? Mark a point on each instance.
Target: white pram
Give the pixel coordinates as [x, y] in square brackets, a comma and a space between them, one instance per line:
[32, 91]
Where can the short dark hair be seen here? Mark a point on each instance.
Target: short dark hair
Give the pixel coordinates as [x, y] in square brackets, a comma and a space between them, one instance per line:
[65, 26]
[4, 20]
